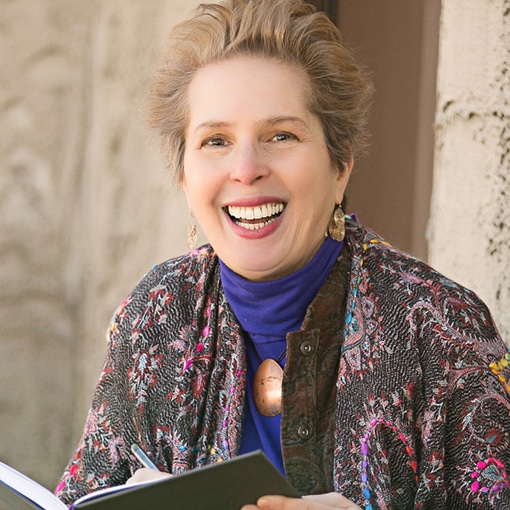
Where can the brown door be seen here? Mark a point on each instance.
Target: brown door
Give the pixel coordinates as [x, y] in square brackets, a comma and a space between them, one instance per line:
[397, 42]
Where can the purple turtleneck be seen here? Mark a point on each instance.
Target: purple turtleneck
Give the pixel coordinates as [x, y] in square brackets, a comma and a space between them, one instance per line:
[267, 311]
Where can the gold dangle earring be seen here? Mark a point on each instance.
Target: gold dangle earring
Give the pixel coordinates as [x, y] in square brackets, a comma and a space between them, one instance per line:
[336, 227]
[192, 231]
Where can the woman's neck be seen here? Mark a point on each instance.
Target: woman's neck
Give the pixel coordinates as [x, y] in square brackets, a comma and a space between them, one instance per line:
[274, 308]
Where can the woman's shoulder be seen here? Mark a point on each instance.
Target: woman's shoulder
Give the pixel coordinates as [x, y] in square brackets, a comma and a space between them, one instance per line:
[405, 292]
[400, 277]
[371, 250]
[175, 283]
[187, 269]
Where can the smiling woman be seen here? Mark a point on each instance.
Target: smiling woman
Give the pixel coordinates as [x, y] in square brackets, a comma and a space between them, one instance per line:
[252, 146]
[366, 377]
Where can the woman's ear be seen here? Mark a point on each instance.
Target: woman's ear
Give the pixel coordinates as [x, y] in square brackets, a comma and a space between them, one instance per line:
[183, 184]
[344, 174]
[350, 164]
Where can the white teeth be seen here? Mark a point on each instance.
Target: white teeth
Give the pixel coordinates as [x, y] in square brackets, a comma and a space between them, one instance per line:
[255, 226]
[245, 216]
[255, 213]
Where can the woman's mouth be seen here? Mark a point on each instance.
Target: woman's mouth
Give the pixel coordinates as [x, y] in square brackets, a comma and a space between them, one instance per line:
[257, 217]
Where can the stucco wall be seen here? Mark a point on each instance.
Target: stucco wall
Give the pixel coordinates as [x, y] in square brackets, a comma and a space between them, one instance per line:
[469, 231]
[85, 206]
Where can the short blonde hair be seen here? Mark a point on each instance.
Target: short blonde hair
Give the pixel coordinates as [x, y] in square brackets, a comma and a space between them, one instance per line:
[290, 31]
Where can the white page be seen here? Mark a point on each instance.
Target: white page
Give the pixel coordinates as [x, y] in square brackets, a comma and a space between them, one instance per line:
[39, 496]
[116, 488]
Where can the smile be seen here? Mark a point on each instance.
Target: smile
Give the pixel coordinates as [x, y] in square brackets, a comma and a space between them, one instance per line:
[255, 218]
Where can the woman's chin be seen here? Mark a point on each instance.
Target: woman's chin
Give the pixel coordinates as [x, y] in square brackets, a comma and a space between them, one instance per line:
[259, 265]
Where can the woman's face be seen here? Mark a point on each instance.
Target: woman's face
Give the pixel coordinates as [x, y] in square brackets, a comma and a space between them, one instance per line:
[257, 173]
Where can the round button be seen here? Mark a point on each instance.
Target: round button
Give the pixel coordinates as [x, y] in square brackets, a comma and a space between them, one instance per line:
[304, 432]
[306, 348]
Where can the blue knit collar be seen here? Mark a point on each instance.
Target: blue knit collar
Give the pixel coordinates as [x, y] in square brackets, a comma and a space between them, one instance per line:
[274, 308]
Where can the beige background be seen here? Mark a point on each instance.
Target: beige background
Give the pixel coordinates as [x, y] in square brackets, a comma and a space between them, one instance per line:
[86, 207]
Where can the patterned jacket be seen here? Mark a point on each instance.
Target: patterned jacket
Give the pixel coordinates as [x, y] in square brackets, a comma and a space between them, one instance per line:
[422, 414]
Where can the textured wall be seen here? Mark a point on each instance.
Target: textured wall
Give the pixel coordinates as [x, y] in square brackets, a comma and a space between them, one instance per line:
[470, 219]
[85, 206]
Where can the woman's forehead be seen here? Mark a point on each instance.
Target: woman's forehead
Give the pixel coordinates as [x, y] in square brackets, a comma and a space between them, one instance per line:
[265, 88]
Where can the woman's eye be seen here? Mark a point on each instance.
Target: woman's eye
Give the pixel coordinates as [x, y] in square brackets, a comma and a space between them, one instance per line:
[214, 141]
[283, 137]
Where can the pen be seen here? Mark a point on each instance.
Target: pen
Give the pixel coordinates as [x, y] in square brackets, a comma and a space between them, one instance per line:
[142, 457]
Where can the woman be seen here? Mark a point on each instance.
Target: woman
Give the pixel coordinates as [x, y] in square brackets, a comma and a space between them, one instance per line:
[394, 392]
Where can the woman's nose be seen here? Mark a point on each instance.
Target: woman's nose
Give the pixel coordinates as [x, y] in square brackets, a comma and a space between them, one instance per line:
[248, 165]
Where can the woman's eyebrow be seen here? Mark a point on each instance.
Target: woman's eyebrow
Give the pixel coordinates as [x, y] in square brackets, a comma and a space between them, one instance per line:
[211, 124]
[269, 121]
[281, 119]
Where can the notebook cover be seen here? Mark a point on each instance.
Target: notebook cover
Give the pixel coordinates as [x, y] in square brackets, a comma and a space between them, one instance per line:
[226, 485]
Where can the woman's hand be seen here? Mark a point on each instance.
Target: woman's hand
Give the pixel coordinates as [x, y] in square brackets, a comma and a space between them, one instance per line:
[317, 502]
[145, 475]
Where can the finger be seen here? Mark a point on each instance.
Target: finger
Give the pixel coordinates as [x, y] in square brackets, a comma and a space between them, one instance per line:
[316, 502]
[334, 500]
[145, 475]
[283, 503]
